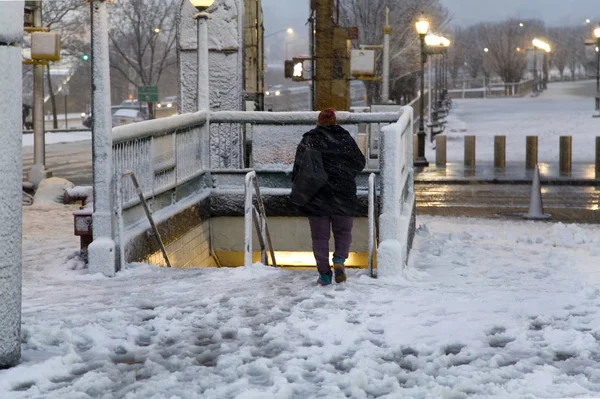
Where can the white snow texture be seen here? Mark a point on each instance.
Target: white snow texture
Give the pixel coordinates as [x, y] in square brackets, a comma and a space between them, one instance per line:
[486, 309]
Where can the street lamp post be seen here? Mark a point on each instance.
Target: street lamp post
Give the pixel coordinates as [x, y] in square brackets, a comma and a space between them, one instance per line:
[597, 35]
[387, 31]
[535, 73]
[202, 18]
[422, 29]
[38, 171]
[203, 94]
[541, 45]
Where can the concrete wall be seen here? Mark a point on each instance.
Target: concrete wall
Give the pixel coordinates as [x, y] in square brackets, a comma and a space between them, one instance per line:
[192, 249]
[290, 237]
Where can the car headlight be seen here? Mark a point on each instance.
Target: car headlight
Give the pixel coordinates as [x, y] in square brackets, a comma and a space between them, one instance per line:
[83, 114]
[169, 105]
[158, 105]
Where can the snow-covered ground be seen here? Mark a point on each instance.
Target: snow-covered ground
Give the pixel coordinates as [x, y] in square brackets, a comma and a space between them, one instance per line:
[55, 138]
[565, 109]
[486, 308]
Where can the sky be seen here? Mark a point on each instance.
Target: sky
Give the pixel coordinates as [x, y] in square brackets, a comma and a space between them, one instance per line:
[464, 12]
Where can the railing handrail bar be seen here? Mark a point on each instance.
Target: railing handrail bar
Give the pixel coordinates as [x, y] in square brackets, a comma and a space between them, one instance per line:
[300, 118]
[158, 127]
[148, 215]
[250, 181]
[372, 223]
[263, 215]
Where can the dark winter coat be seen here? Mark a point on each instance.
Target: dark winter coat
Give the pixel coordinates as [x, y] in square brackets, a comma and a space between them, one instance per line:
[342, 161]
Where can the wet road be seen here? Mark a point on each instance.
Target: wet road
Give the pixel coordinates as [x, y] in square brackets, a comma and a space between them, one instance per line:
[71, 161]
[565, 203]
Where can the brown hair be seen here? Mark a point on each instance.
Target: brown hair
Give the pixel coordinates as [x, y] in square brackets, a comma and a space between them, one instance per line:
[327, 117]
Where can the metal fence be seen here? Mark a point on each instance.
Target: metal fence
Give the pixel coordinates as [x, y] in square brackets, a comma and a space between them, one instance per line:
[163, 154]
[496, 89]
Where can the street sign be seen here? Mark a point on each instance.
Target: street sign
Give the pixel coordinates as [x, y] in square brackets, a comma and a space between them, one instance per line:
[148, 94]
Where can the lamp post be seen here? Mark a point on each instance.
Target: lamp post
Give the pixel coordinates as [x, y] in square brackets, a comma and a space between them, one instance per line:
[290, 31]
[541, 45]
[387, 31]
[38, 171]
[202, 18]
[597, 35]
[422, 26]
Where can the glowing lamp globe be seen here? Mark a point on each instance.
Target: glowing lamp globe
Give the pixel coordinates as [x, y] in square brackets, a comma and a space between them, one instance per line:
[202, 5]
[422, 26]
[597, 32]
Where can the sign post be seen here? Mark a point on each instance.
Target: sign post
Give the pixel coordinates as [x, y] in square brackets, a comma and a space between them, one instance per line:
[148, 94]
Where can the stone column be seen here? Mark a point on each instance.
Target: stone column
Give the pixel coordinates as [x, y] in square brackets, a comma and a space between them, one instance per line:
[11, 86]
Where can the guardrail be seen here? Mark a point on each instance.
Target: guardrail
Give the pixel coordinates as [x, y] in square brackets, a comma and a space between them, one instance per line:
[173, 157]
[520, 89]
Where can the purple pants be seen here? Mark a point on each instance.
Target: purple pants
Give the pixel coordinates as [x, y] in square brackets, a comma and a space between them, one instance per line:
[320, 227]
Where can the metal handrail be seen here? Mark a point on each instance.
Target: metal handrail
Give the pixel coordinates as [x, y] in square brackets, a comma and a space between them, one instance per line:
[149, 215]
[373, 224]
[258, 217]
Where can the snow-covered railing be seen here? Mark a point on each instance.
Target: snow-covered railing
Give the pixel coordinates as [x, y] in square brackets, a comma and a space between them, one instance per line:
[397, 193]
[270, 138]
[373, 223]
[163, 153]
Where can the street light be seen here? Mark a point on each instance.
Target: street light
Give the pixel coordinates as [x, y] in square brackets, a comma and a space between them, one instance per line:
[597, 35]
[202, 5]
[203, 79]
[289, 31]
[156, 30]
[542, 45]
[422, 26]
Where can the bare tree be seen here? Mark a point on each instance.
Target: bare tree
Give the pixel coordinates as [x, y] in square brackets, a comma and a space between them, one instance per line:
[66, 18]
[143, 36]
[506, 54]
[471, 40]
[456, 54]
[369, 17]
[560, 51]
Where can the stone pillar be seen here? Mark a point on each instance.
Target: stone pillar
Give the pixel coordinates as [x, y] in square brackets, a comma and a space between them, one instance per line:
[226, 73]
[102, 251]
[11, 86]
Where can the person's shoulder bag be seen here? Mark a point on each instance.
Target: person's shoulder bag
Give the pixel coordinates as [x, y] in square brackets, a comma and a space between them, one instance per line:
[311, 176]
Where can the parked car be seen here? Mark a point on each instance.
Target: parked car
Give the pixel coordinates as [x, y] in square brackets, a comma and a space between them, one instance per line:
[125, 116]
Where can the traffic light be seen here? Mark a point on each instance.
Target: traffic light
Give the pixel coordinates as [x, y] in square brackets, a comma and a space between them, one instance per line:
[85, 57]
[294, 70]
[298, 73]
[289, 69]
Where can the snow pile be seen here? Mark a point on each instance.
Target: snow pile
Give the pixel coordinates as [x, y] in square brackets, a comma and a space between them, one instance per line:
[482, 312]
[50, 192]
